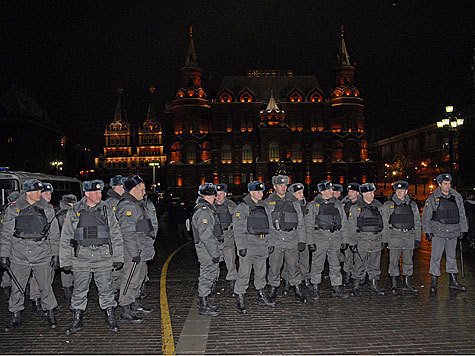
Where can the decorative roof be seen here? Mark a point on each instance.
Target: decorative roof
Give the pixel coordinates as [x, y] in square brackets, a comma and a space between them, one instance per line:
[343, 56]
[191, 59]
[151, 123]
[120, 118]
[272, 115]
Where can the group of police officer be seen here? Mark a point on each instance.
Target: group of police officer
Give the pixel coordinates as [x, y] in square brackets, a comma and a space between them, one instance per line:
[110, 241]
[279, 236]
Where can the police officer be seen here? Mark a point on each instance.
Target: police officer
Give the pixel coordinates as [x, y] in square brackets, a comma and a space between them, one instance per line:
[337, 190]
[444, 221]
[349, 257]
[297, 189]
[138, 234]
[326, 230]
[91, 246]
[66, 203]
[152, 214]
[365, 226]
[289, 238]
[403, 228]
[252, 230]
[206, 233]
[225, 209]
[30, 242]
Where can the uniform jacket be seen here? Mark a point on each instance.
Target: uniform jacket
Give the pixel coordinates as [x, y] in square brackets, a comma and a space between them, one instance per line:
[229, 233]
[366, 241]
[28, 252]
[113, 198]
[397, 238]
[95, 258]
[257, 246]
[128, 211]
[322, 238]
[449, 231]
[348, 203]
[287, 239]
[203, 221]
[152, 213]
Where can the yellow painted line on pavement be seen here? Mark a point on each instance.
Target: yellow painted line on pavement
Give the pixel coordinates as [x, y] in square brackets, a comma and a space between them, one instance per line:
[168, 344]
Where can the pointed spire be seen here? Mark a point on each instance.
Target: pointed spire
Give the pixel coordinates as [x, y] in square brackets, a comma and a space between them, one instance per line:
[272, 104]
[343, 56]
[191, 57]
[151, 114]
[120, 115]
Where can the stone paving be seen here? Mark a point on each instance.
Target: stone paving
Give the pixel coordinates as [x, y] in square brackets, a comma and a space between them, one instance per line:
[402, 324]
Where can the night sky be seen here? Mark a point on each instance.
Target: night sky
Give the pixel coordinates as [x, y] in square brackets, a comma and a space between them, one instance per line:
[412, 57]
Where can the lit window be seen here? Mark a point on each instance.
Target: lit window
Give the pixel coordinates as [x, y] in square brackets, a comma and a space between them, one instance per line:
[297, 153]
[226, 155]
[274, 153]
[247, 154]
[190, 154]
[317, 153]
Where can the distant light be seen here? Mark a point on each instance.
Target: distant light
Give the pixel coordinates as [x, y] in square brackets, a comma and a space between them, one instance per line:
[394, 173]
[459, 122]
[440, 124]
[449, 108]
[453, 123]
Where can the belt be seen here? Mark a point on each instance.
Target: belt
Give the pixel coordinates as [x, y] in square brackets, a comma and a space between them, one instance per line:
[228, 228]
[319, 228]
[288, 230]
[35, 239]
[402, 230]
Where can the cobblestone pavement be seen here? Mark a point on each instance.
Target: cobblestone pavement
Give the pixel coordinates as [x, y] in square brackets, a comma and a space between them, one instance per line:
[402, 324]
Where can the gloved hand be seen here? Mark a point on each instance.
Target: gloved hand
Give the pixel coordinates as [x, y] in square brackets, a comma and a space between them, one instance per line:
[384, 245]
[117, 265]
[5, 262]
[220, 239]
[429, 237]
[136, 259]
[417, 244]
[67, 269]
[243, 252]
[312, 247]
[216, 259]
[354, 248]
[271, 249]
[343, 247]
[463, 235]
[54, 262]
[302, 246]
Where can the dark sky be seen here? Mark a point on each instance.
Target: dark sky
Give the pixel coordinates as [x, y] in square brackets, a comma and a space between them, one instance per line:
[412, 57]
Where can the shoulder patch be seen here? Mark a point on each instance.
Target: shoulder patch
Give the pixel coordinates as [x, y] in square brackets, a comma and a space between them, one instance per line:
[113, 207]
[205, 221]
[78, 214]
[359, 209]
[350, 213]
[437, 199]
[238, 214]
[128, 213]
[272, 203]
[392, 206]
[317, 204]
[17, 210]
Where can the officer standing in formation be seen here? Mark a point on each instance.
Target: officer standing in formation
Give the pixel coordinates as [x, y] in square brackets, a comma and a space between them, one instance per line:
[91, 246]
[225, 210]
[444, 221]
[206, 233]
[138, 234]
[349, 257]
[327, 232]
[337, 191]
[252, 232]
[365, 224]
[402, 224]
[30, 242]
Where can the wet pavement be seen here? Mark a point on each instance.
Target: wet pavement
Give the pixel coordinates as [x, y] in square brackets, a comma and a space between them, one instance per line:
[443, 323]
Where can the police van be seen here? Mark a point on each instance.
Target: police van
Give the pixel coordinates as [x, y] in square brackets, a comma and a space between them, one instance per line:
[11, 181]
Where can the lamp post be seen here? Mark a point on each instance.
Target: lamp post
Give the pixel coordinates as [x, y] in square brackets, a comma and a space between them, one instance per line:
[450, 124]
[57, 164]
[154, 165]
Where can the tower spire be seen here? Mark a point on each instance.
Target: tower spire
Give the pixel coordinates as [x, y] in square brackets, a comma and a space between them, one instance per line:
[151, 113]
[343, 56]
[191, 59]
[120, 115]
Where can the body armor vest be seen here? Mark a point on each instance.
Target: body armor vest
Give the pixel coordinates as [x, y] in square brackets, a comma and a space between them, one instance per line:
[258, 221]
[370, 220]
[225, 218]
[402, 217]
[217, 230]
[145, 224]
[328, 217]
[31, 224]
[284, 216]
[348, 206]
[92, 228]
[447, 212]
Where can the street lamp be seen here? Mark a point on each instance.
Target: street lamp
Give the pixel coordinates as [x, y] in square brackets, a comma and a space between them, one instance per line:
[58, 165]
[154, 165]
[450, 124]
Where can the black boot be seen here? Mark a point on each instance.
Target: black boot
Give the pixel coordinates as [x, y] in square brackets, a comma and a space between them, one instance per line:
[394, 284]
[36, 308]
[454, 284]
[128, 316]
[241, 305]
[14, 323]
[337, 292]
[204, 309]
[286, 288]
[211, 306]
[272, 294]
[356, 287]
[68, 293]
[315, 293]
[51, 319]
[347, 278]
[299, 294]
[136, 307]
[262, 299]
[7, 291]
[306, 282]
[231, 288]
[76, 324]
[407, 285]
[373, 286]
[214, 288]
[433, 284]
[110, 320]
[117, 295]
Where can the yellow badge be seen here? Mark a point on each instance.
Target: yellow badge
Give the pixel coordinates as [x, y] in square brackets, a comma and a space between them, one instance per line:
[436, 199]
[359, 209]
[78, 214]
[350, 213]
[205, 221]
[128, 213]
[392, 206]
[272, 203]
[113, 208]
[17, 210]
[238, 215]
[317, 204]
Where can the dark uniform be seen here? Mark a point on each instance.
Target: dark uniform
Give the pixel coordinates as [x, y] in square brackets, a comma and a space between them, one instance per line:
[206, 233]
[91, 245]
[403, 228]
[444, 221]
[365, 227]
[30, 243]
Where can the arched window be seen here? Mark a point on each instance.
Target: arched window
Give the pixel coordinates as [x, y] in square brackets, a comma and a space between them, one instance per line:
[274, 153]
[247, 154]
[176, 152]
[190, 154]
[226, 154]
[317, 153]
[297, 153]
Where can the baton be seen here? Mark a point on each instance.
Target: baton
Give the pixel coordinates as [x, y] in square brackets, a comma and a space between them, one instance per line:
[461, 259]
[13, 278]
[132, 271]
